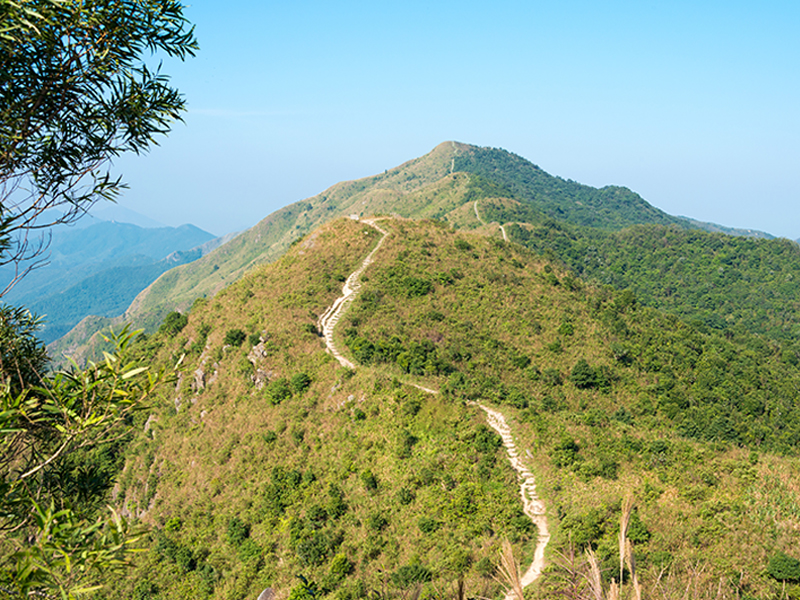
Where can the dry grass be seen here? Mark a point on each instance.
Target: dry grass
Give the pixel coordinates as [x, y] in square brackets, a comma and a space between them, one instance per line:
[508, 570]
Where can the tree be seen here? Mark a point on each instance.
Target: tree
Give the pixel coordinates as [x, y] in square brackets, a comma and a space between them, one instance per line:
[75, 92]
[53, 541]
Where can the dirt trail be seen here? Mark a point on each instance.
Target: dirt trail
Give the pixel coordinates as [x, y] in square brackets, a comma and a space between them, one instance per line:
[502, 229]
[531, 504]
[352, 285]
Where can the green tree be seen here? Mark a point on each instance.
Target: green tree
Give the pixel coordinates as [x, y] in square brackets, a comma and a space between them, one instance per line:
[75, 92]
[52, 542]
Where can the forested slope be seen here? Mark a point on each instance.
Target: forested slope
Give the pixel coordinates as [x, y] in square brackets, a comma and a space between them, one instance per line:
[268, 460]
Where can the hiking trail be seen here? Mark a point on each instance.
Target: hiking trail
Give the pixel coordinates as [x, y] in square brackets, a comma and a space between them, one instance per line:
[532, 505]
[477, 216]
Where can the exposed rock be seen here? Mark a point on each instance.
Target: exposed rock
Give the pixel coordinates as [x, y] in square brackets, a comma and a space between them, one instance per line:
[150, 420]
[177, 402]
[199, 379]
[267, 594]
[260, 378]
[259, 351]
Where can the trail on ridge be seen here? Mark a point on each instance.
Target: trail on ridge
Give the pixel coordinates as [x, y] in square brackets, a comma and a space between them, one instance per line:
[352, 285]
[502, 229]
[531, 503]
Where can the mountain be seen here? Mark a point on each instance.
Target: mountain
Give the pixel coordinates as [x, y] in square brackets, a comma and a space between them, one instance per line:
[99, 269]
[478, 189]
[120, 214]
[269, 460]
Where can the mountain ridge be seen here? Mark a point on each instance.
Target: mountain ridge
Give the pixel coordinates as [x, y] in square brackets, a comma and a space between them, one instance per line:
[440, 184]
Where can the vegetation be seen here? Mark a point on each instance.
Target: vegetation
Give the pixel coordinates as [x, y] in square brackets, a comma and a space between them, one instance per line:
[364, 485]
[58, 459]
[725, 283]
[77, 93]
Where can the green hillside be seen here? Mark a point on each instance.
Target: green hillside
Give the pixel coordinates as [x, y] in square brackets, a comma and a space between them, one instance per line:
[268, 460]
[469, 188]
[727, 283]
[439, 185]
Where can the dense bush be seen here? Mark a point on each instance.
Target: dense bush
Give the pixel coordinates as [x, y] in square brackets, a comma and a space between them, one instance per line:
[784, 567]
[411, 574]
[234, 337]
[300, 382]
[278, 390]
[173, 323]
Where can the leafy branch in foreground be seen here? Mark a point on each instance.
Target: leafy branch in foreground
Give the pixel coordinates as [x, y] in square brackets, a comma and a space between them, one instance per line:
[56, 541]
[76, 92]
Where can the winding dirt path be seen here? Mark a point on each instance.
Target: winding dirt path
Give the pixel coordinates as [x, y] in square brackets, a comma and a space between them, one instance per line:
[352, 285]
[502, 229]
[531, 503]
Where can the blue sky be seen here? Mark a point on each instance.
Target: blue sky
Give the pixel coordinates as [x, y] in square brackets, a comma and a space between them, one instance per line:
[694, 105]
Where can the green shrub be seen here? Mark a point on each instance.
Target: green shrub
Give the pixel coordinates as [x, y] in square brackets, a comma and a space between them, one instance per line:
[277, 391]
[173, 323]
[411, 574]
[486, 441]
[428, 525]
[565, 453]
[369, 480]
[234, 337]
[637, 532]
[405, 496]
[341, 567]
[300, 382]
[249, 551]
[416, 287]
[237, 531]
[784, 568]
[377, 522]
[583, 376]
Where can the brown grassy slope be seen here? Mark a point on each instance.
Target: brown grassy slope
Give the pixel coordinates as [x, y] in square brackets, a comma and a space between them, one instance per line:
[213, 458]
[712, 505]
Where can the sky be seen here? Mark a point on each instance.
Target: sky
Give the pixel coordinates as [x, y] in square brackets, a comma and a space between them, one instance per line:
[693, 105]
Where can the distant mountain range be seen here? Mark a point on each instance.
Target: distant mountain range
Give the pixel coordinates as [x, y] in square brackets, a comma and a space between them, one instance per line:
[445, 184]
[99, 269]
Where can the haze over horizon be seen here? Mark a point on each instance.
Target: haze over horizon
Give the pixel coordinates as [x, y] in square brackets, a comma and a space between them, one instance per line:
[692, 106]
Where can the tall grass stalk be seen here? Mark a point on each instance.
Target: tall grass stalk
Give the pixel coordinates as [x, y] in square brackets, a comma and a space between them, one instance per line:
[509, 571]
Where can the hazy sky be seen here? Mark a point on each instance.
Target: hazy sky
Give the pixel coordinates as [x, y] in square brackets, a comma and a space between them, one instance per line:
[694, 105]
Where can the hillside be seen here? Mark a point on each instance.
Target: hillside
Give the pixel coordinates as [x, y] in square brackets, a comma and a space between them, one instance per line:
[443, 185]
[269, 460]
[728, 283]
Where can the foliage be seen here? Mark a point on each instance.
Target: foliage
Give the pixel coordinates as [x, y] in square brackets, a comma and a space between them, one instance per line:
[55, 540]
[234, 337]
[300, 382]
[174, 322]
[410, 574]
[277, 391]
[542, 194]
[76, 93]
[784, 567]
[23, 358]
[719, 282]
